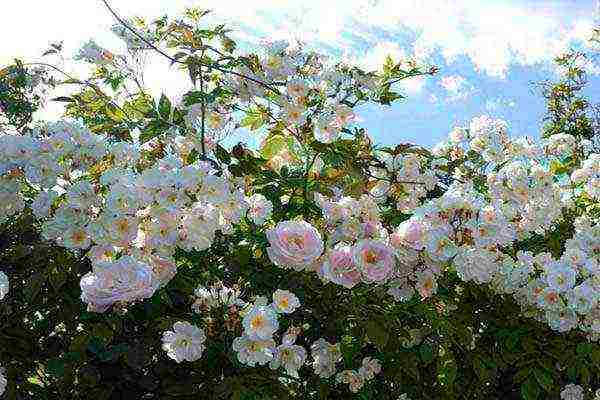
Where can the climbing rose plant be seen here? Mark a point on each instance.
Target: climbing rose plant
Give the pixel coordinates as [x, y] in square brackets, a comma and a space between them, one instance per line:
[143, 257]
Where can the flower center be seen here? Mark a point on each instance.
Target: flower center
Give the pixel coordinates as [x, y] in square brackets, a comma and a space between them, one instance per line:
[284, 302]
[370, 256]
[257, 322]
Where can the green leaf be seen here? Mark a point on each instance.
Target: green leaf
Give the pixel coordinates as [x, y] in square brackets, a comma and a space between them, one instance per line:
[164, 107]
[56, 367]
[96, 345]
[222, 154]
[595, 355]
[254, 119]
[377, 332]
[426, 353]
[388, 65]
[584, 349]
[572, 373]
[275, 144]
[530, 389]
[64, 99]
[447, 369]
[57, 278]
[34, 286]
[544, 378]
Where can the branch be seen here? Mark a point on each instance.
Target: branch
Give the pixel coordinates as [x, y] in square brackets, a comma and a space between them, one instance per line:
[84, 83]
[176, 61]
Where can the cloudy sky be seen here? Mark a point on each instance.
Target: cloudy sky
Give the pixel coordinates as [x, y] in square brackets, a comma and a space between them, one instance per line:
[489, 51]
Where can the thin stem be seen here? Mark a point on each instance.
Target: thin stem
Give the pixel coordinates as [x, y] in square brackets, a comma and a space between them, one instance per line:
[276, 120]
[308, 167]
[176, 61]
[408, 76]
[202, 107]
[76, 81]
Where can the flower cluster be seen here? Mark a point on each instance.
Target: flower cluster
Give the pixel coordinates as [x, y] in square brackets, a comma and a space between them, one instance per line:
[357, 246]
[257, 345]
[403, 177]
[356, 379]
[564, 290]
[216, 296]
[465, 230]
[589, 176]
[93, 195]
[572, 392]
[315, 96]
[325, 357]
[481, 207]
[259, 208]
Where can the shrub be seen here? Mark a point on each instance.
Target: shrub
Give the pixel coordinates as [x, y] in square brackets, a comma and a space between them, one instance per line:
[145, 259]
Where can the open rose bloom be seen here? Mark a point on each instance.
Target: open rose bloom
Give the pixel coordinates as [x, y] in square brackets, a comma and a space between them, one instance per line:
[294, 244]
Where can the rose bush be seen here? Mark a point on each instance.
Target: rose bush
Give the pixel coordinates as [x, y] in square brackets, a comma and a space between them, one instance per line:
[143, 258]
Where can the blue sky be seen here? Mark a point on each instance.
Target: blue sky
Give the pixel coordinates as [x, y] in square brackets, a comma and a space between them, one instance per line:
[489, 51]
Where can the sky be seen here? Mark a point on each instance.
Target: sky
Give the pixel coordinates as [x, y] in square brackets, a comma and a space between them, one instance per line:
[489, 52]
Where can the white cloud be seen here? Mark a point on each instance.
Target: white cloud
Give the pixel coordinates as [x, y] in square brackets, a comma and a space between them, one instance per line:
[499, 103]
[456, 87]
[375, 56]
[493, 35]
[413, 85]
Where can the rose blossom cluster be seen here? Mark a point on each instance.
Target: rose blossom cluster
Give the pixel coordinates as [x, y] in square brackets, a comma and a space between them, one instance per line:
[465, 230]
[92, 195]
[257, 345]
[216, 296]
[357, 248]
[455, 226]
[356, 379]
[325, 357]
[469, 230]
[48, 156]
[563, 292]
[485, 136]
[588, 176]
[316, 93]
[404, 177]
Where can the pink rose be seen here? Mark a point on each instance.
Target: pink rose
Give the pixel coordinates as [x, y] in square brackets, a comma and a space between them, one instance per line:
[125, 280]
[409, 233]
[294, 244]
[375, 260]
[339, 268]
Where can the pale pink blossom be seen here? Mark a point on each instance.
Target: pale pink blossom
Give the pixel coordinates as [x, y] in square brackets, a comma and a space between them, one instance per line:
[294, 244]
[374, 259]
